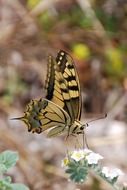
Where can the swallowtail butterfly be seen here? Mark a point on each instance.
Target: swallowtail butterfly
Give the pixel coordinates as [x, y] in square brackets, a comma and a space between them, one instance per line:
[60, 111]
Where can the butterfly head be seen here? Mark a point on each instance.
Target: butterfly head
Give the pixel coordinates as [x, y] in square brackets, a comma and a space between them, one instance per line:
[78, 128]
[31, 118]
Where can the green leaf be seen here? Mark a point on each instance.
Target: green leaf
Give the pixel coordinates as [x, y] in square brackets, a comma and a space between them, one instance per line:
[8, 159]
[18, 186]
[78, 171]
[70, 170]
[3, 168]
[73, 164]
[4, 185]
[8, 179]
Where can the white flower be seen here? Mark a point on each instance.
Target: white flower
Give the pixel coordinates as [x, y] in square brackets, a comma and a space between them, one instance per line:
[93, 158]
[78, 155]
[108, 173]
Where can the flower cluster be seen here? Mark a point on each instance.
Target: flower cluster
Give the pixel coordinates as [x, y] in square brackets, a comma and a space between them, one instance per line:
[82, 154]
[78, 163]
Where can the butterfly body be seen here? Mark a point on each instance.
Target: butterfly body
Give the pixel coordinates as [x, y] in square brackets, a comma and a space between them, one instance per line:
[60, 111]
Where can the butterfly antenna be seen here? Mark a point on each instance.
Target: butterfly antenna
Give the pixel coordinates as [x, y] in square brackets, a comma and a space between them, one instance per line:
[102, 117]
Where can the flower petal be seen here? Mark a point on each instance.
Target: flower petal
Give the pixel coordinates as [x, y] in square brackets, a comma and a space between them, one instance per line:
[78, 155]
[93, 158]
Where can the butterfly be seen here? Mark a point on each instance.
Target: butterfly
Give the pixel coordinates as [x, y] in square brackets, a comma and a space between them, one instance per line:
[60, 110]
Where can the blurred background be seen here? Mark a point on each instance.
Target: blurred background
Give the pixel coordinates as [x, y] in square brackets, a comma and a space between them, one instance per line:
[95, 34]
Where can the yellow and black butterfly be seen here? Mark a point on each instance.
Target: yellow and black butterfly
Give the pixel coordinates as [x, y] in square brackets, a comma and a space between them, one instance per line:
[60, 111]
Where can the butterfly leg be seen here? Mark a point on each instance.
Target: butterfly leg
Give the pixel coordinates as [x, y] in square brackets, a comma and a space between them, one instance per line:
[85, 143]
[68, 133]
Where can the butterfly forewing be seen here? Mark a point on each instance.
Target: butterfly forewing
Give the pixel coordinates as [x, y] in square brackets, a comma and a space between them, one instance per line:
[69, 73]
[63, 84]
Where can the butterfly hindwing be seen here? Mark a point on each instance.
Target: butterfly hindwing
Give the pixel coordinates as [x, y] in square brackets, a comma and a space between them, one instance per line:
[43, 114]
